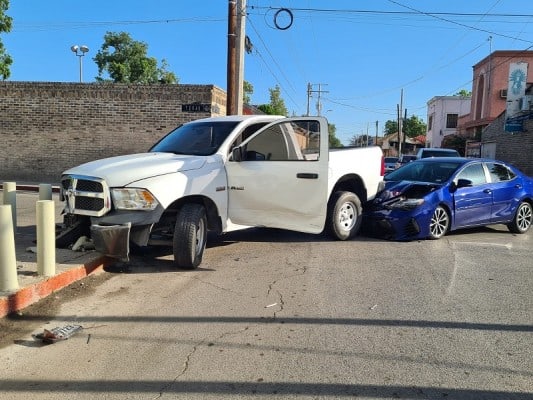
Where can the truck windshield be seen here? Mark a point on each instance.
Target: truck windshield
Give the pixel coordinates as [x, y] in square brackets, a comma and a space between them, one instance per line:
[196, 138]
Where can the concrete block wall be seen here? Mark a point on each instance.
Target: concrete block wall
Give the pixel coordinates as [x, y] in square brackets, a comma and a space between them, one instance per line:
[515, 148]
[47, 127]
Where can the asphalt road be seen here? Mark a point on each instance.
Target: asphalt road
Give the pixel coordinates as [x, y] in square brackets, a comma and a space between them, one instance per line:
[284, 315]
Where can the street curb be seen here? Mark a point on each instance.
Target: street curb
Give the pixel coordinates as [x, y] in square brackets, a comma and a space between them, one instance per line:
[29, 295]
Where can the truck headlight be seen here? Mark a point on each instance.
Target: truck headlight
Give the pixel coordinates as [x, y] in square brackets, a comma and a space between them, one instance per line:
[133, 199]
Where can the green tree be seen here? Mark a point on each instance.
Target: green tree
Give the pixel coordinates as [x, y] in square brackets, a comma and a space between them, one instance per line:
[412, 127]
[248, 90]
[125, 61]
[276, 105]
[5, 26]
[333, 139]
[391, 127]
[464, 93]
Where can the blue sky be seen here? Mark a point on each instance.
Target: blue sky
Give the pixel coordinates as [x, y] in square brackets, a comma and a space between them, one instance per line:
[363, 53]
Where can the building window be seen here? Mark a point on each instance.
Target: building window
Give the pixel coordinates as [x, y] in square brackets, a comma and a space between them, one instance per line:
[451, 120]
[430, 122]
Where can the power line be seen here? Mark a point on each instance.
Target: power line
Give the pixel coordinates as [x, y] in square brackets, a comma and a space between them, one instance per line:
[380, 12]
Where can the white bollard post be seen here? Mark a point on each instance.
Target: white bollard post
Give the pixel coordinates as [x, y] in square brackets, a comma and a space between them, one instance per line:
[46, 238]
[8, 259]
[9, 190]
[45, 191]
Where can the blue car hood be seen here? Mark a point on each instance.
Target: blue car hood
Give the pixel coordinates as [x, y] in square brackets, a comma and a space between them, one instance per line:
[409, 189]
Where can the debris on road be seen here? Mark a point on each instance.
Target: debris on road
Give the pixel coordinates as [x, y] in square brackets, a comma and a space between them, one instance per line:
[56, 334]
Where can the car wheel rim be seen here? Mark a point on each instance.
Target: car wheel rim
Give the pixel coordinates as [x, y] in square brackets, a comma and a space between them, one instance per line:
[439, 223]
[523, 219]
[347, 216]
[200, 237]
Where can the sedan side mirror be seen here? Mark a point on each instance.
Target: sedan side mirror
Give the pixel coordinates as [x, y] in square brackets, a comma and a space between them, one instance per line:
[461, 183]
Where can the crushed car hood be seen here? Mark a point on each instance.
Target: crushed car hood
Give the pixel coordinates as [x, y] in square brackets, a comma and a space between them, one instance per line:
[122, 170]
[409, 189]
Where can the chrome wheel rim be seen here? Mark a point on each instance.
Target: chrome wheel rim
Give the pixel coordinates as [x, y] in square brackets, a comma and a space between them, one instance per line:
[523, 217]
[439, 223]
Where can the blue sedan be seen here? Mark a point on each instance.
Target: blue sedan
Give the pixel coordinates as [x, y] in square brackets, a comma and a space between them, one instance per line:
[429, 197]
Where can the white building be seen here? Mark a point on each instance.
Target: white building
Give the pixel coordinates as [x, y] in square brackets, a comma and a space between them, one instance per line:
[443, 114]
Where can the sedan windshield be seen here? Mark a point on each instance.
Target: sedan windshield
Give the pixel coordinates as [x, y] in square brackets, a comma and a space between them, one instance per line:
[419, 171]
[196, 138]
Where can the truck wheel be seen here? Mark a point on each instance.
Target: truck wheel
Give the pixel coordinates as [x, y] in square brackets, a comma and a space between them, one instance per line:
[344, 215]
[190, 236]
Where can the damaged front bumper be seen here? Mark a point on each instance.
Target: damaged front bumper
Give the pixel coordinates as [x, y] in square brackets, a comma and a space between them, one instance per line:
[112, 234]
[112, 240]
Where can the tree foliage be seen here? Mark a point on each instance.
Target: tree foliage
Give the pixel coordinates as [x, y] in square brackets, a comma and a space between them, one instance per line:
[333, 139]
[464, 93]
[248, 90]
[361, 141]
[5, 26]
[126, 61]
[276, 105]
[412, 127]
[456, 142]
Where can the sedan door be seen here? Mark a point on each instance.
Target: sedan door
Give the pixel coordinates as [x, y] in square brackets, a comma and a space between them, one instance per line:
[281, 178]
[505, 188]
[473, 204]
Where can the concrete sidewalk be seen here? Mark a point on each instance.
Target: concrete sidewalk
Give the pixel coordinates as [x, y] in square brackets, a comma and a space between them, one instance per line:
[71, 266]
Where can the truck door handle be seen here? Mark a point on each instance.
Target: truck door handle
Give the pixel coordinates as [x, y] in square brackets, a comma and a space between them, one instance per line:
[306, 175]
[488, 191]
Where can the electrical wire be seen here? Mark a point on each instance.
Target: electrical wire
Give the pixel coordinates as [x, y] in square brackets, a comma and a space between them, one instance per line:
[275, 62]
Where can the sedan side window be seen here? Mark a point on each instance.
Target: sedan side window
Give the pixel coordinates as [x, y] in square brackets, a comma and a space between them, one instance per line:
[474, 173]
[499, 173]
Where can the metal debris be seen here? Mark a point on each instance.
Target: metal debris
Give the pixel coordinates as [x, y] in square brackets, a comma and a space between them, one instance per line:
[58, 333]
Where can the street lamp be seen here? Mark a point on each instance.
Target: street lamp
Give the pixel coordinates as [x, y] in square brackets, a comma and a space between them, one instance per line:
[80, 52]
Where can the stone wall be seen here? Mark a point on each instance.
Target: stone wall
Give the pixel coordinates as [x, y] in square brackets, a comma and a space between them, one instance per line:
[515, 148]
[46, 128]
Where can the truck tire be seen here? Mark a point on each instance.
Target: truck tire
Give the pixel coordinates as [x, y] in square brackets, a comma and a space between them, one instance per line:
[190, 236]
[344, 215]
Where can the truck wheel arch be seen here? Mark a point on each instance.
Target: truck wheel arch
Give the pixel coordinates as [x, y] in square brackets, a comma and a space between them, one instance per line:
[214, 222]
[350, 183]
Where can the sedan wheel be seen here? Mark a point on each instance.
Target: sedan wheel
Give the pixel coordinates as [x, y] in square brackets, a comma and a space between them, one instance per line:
[523, 219]
[440, 223]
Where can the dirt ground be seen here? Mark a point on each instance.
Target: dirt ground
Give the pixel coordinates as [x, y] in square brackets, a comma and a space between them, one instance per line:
[35, 318]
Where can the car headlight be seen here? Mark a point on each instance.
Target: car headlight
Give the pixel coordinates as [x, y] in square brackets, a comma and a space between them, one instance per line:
[133, 199]
[405, 204]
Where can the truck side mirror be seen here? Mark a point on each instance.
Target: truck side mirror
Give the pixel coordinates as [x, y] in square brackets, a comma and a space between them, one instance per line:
[236, 154]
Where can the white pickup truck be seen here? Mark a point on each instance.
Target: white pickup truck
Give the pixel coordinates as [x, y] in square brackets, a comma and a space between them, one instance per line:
[220, 174]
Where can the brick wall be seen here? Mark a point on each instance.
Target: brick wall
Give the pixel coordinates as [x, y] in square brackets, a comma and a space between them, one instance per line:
[46, 128]
[515, 148]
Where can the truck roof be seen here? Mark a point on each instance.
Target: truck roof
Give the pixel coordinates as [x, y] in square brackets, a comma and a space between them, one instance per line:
[240, 118]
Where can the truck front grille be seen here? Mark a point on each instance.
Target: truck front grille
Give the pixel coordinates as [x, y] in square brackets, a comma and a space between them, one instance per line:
[85, 195]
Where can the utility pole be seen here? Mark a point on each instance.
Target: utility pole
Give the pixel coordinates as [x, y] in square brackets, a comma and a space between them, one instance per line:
[376, 143]
[231, 107]
[400, 127]
[239, 62]
[235, 68]
[310, 91]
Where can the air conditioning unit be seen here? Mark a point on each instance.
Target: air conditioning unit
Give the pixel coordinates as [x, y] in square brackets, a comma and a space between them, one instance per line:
[526, 103]
[503, 93]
